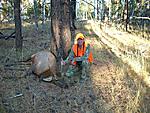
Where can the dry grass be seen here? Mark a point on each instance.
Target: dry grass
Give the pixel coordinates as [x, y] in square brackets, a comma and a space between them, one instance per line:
[132, 93]
[131, 49]
[113, 87]
[121, 90]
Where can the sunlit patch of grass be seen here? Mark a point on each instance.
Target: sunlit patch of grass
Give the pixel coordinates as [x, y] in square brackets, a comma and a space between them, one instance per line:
[120, 46]
[7, 25]
[125, 91]
[88, 27]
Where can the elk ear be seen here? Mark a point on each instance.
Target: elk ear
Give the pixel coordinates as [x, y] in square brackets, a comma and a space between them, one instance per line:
[33, 56]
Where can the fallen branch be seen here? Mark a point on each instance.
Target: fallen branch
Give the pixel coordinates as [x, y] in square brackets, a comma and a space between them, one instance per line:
[12, 68]
[2, 36]
[89, 3]
[17, 63]
[12, 35]
[146, 18]
[18, 95]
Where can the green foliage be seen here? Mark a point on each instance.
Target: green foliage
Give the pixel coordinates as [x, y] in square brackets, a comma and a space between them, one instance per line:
[30, 11]
[86, 9]
[7, 9]
[90, 8]
[4, 9]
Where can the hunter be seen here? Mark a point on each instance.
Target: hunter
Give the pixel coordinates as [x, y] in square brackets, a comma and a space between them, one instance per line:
[80, 57]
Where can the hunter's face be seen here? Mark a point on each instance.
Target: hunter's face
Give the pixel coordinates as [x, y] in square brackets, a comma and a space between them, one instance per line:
[80, 42]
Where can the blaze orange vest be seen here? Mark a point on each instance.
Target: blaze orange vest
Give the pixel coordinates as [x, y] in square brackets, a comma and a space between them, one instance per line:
[79, 52]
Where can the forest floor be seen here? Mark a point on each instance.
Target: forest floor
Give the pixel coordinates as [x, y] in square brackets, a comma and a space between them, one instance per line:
[111, 87]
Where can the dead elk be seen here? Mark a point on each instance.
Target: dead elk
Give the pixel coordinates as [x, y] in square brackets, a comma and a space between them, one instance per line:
[43, 65]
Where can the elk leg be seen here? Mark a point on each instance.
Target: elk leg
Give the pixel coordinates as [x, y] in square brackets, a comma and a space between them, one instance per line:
[29, 71]
[47, 79]
[41, 77]
[55, 77]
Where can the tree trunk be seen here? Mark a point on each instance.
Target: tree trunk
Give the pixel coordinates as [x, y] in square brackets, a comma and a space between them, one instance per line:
[18, 34]
[36, 14]
[1, 16]
[101, 7]
[60, 28]
[123, 16]
[110, 10]
[43, 14]
[73, 13]
[95, 8]
[127, 17]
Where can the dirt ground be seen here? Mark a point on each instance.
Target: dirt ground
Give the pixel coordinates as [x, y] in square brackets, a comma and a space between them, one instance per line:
[108, 89]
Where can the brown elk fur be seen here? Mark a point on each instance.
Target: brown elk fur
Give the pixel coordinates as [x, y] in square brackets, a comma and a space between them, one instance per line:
[43, 64]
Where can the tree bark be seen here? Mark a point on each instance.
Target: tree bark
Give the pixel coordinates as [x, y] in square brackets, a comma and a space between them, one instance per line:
[60, 28]
[73, 13]
[18, 31]
[36, 14]
[127, 17]
[110, 10]
[95, 8]
[43, 14]
[1, 16]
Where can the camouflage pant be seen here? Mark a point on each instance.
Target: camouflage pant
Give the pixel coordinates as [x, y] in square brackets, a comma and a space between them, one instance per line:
[82, 67]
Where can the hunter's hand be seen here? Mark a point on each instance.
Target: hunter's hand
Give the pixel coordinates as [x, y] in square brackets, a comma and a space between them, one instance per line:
[78, 59]
[63, 62]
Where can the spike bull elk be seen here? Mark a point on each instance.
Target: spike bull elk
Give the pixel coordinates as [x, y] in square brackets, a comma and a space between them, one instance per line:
[43, 65]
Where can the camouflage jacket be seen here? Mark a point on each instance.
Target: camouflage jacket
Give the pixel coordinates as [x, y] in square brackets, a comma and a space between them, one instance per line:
[71, 57]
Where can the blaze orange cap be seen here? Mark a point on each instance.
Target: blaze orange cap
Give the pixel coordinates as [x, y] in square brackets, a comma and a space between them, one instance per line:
[79, 36]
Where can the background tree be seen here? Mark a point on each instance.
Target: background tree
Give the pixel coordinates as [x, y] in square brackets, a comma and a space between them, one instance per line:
[127, 17]
[9, 5]
[101, 11]
[43, 13]
[18, 33]
[96, 8]
[1, 7]
[36, 14]
[73, 13]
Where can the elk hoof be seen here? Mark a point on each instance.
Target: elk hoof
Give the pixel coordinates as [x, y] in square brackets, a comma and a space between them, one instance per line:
[48, 79]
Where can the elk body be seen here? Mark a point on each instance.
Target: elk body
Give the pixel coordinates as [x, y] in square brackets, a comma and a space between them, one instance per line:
[43, 65]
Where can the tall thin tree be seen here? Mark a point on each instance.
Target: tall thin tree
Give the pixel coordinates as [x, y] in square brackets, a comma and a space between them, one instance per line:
[36, 14]
[18, 31]
[43, 14]
[95, 8]
[73, 13]
[127, 17]
[1, 7]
